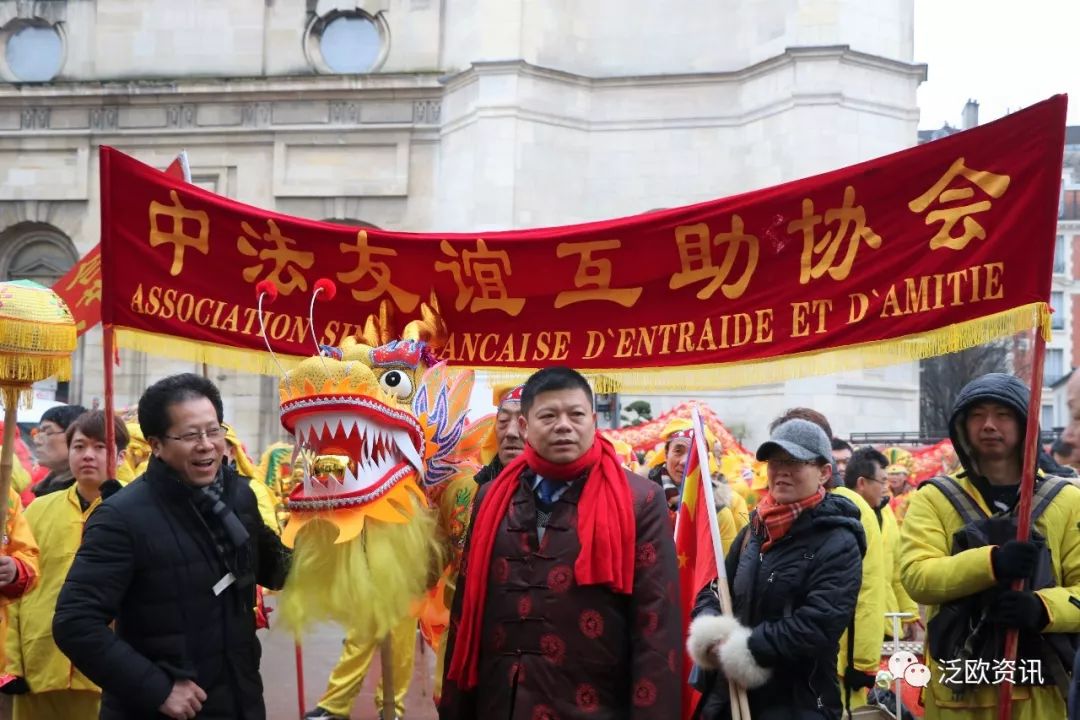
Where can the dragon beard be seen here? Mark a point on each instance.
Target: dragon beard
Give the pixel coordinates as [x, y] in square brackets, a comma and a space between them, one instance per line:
[376, 577]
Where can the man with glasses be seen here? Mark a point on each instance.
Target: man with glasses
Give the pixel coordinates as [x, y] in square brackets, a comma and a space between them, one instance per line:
[173, 559]
[51, 448]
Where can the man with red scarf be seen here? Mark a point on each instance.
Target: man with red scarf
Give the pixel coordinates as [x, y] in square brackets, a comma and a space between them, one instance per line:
[565, 603]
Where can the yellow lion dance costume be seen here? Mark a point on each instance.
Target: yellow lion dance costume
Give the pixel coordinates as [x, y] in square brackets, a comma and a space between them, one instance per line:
[378, 520]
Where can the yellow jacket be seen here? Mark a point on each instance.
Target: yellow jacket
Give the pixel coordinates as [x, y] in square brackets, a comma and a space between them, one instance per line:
[725, 518]
[897, 599]
[21, 545]
[740, 513]
[870, 607]
[20, 476]
[932, 576]
[57, 521]
[267, 505]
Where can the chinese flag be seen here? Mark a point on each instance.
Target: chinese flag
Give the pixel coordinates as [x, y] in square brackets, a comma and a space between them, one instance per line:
[697, 560]
[80, 288]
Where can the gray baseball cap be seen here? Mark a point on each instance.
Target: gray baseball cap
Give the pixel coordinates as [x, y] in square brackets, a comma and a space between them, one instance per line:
[801, 439]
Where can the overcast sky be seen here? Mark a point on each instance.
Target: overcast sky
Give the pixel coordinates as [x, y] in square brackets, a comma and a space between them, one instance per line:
[1006, 54]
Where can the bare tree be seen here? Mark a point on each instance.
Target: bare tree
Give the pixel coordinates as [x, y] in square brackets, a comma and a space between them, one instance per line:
[942, 378]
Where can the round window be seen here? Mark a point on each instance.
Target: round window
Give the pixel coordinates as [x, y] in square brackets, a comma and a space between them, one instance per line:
[350, 44]
[35, 53]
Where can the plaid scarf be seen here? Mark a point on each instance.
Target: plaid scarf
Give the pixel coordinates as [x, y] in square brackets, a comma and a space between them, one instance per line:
[774, 519]
[226, 530]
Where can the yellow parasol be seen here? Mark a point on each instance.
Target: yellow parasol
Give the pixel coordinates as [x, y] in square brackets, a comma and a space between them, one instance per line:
[37, 337]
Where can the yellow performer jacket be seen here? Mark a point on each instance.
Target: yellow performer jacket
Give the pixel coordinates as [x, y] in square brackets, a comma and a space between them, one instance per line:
[898, 600]
[932, 576]
[871, 605]
[20, 545]
[57, 522]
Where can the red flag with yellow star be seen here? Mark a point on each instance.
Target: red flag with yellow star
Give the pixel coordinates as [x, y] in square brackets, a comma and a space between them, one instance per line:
[697, 560]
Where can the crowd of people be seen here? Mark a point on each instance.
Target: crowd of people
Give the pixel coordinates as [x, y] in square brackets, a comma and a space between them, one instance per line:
[137, 596]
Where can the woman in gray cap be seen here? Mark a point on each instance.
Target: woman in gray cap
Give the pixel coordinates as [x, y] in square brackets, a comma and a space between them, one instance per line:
[794, 574]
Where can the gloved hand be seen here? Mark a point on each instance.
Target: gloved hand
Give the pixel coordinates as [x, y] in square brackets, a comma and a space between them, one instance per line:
[110, 488]
[1014, 560]
[857, 679]
[1021, 610]
[13, 685]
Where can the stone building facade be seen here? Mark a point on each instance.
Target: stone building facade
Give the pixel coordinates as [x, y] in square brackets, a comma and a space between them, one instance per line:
[446, 115]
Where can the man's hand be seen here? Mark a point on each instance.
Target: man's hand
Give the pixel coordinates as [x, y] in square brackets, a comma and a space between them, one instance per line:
[184, 702]
[8, 570]
[1021, 610]
[1014, 560]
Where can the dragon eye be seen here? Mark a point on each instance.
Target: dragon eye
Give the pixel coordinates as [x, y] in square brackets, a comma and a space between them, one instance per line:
[397, 384]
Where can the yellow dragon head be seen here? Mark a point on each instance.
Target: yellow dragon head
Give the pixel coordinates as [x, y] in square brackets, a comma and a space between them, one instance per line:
[380, 428]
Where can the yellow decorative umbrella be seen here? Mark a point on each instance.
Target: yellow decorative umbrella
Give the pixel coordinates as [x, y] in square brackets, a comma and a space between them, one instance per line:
[37, 337]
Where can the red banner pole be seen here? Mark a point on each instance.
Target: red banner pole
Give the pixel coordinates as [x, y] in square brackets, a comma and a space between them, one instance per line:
[300, 678]
[110, 411]
[1027, 488]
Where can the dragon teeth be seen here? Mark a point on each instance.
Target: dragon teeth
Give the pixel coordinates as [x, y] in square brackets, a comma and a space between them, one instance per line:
[405, 447]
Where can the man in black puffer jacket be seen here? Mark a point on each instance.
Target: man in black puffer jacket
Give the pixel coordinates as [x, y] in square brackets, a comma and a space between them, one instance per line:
[794, 573]
[173, 558]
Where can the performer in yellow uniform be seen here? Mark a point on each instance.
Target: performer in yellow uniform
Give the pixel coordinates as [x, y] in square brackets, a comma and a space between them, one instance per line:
[353, 665]
[56, 689]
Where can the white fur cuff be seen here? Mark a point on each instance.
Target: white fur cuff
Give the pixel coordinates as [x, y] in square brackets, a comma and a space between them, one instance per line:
[721, 492]
[707, 633]
[738, 662]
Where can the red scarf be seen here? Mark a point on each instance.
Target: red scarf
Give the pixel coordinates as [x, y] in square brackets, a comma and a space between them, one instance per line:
[777, 518]
[606, 529]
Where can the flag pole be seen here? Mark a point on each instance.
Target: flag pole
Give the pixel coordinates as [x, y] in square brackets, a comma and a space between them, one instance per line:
[299, 677]
[1027, 488]
[740, 704]
[109, 343]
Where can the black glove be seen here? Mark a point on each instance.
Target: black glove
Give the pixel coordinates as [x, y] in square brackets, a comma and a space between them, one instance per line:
[110, 488]
[1014, 560]
[1021, 610]
[857, 679]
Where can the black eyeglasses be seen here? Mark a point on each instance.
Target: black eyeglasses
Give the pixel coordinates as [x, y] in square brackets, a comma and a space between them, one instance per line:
[193, 437]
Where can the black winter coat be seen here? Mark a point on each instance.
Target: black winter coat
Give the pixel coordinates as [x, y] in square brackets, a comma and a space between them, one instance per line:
[798, 598]
[148, 560]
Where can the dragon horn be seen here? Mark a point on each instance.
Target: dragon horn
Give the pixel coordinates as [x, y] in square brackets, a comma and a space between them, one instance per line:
[379, 328]
[430, 328]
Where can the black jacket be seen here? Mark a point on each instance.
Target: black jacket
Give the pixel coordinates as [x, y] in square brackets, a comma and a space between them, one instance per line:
[489, 472]
[148, 559]
[53, 482]
[798, 598]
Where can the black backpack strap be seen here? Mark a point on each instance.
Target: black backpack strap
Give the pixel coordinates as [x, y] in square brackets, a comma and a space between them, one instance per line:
[1044, 494]
[967, 508]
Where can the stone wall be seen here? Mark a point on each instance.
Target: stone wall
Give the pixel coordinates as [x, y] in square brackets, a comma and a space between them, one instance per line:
[484, 114]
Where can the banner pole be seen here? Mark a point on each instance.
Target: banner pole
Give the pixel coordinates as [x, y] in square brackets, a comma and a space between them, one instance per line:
[740, 704]
[109, 342]
[300, 678]
[7, 461]
[386, 662]
[1027, 488]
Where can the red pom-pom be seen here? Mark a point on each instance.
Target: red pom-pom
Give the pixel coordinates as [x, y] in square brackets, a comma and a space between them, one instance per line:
[268, 288]
[329, 289]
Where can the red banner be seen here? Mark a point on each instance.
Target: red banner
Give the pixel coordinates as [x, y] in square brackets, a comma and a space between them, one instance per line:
[80, 287]
[922, 252]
